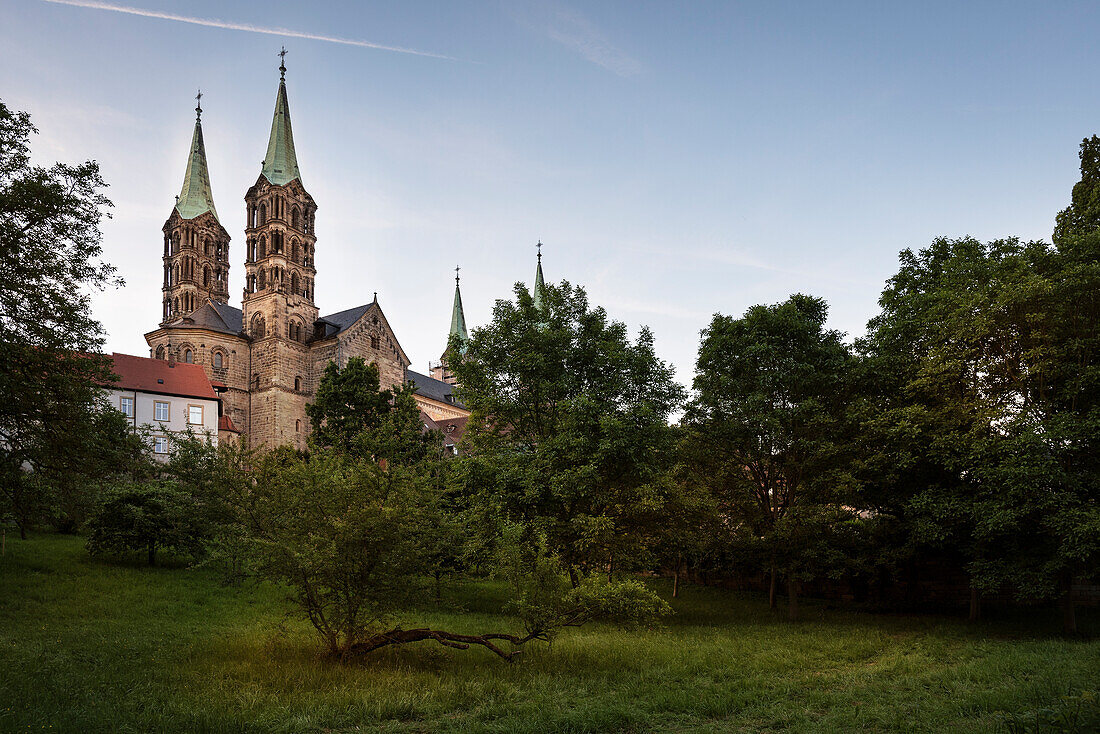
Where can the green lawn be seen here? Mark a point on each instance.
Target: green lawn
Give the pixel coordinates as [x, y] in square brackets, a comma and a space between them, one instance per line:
[87, 645]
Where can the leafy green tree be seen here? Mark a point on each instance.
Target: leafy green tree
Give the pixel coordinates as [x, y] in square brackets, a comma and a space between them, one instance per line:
[1082, 216]
[148, 517]
[50, 248]
[568, 436]
[352, 413]
[767, 436]
[994, 351]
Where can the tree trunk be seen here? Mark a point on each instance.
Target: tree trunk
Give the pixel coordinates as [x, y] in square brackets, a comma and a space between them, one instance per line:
[152, 554]
[676, 578]
[792, 599]
[975, 605]
[438, 589]
[22, 531]
[1069, 614]
[447, 639]
[773, 602]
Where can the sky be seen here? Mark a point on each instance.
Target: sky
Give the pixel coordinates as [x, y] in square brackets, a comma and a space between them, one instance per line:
[675, 159]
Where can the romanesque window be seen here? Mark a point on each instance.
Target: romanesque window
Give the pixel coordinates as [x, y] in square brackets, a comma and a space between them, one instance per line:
[294, 250]
[167, 244]
[160, 349]
[297, 383]
[218, 360]
[263, 247]
[294, 284]
[294, 218]
[206, 277]
[263, 213]
[257, 326]
[188, 356]
[208, 248]
[298, 426]
[375, 342]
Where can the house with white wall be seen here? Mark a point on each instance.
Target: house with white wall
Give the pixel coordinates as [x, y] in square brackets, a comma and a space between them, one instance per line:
[167, 399]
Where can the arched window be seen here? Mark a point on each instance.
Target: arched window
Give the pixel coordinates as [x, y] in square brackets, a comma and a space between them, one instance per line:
[298, 426]
[295, 284]
[297, 383]
[218, 360]
[206, 277]
[160, 352]
[188, 356]
[294, 218]
[257, 326]
[262, 279]
[263, 213]
[263, 248]
[208, 247]
[294, 250]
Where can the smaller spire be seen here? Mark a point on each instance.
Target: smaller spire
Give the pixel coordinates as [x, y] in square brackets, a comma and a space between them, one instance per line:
[458, 318]
[539, 284]
[196, 197]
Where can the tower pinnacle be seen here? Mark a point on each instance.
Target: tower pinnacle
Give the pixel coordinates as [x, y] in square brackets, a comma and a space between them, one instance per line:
[458, 317]
[195, 196]
[537, 294]
[280, 165]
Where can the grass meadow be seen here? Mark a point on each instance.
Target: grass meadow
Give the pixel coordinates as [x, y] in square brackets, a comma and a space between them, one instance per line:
[89, 645]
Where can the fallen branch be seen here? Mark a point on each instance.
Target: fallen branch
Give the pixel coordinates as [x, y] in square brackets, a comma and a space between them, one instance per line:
[447, 639]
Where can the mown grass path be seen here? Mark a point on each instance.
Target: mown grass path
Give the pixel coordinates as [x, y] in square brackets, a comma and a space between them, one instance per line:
[89, 646]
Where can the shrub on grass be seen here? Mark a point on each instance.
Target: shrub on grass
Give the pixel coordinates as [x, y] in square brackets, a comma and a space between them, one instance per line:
[148, 517]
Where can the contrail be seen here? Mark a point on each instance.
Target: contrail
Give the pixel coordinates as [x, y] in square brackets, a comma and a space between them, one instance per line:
[214, 23]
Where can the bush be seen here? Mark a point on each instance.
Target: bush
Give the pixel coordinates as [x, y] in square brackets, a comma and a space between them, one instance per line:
[148, 517]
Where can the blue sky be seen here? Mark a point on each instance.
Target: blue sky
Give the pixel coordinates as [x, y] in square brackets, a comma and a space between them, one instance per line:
[677, 159]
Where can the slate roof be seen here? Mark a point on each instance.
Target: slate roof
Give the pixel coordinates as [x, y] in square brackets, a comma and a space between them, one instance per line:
[341, 320]
[213, 316]
[158, 376]
[434, 389]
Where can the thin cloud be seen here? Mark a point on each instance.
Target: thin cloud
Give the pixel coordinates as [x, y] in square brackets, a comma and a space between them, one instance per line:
[574, 31]
[247, 27]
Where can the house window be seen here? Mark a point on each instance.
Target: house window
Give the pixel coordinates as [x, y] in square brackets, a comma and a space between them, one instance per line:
[160, 410]
[160, 444]
[194, 415]
[298, 426]
[218, 360]
[126, 405]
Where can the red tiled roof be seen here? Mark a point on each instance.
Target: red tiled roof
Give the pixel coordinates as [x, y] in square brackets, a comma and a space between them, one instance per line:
[225, 423]
[155, 375]
[452, 429]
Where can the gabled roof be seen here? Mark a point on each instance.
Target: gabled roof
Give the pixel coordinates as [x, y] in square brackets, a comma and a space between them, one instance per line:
[213, 316]
[196, 197]
[434, 389]
[342, 320]
[158, 376]
[281, 162]
[225, 423]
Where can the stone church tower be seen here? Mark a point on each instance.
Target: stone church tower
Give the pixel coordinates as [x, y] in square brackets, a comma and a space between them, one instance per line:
[196, 245]
[278, 309]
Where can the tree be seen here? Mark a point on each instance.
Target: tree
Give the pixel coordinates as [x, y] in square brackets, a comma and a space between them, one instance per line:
[148, 517]
[49, 262]
[568, 436]
[766, 435]
[352, 413]
[1082, 216]
[994, 350]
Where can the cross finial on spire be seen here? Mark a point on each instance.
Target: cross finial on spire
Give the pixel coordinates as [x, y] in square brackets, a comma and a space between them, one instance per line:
[539, 246]
[456, 273]
[282, 62]
[198, 105]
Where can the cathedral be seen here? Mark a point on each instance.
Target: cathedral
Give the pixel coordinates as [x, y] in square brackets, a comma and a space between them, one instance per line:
[267, 356]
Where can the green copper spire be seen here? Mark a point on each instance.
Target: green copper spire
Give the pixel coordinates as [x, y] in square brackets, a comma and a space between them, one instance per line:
[539, 285]
[458, 318]
[281, 163]
[196, 198]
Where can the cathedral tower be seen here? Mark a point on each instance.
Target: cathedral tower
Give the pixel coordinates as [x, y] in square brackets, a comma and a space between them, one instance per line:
[196, 245]
[457, 333]
[279, 311]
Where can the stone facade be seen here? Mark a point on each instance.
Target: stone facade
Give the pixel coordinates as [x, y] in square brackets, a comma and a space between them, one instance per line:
[271, 353]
